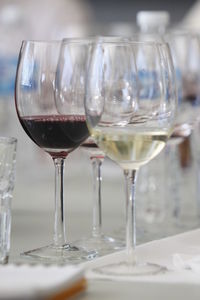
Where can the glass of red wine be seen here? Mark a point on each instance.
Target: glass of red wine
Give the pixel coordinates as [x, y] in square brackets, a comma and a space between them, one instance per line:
[57, 132]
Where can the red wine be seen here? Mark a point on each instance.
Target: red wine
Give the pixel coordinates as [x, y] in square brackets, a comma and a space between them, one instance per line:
[56, 134]
[93, 149]
[89, 145]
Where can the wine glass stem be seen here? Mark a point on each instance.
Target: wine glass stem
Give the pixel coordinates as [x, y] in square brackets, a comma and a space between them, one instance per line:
[130, 182]
[59, 225]
[97, 178]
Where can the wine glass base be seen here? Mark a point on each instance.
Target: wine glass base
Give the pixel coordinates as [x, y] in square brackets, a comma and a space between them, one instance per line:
[102, 245]
[60, 254]
[126, 269]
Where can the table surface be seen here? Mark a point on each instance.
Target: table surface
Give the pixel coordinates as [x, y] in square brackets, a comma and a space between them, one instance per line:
[32, 229]
[32, 214]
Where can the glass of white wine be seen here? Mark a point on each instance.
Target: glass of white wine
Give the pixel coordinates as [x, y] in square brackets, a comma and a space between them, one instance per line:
[130, 110]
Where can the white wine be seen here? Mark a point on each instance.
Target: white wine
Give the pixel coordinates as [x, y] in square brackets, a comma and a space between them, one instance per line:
[130, 147]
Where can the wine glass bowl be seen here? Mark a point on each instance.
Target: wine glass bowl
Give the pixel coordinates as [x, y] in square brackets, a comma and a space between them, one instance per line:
[185, 49]
[130, 110]
[54, 132]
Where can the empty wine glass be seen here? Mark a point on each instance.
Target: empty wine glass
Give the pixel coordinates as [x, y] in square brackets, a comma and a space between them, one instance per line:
[99, 242]
[57, 133]
[181, 150]
[130, 109]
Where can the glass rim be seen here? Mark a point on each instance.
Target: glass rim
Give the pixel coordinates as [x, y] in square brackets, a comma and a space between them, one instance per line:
[150, 43]
[113, 39]
[42, 41]
[101, 39]
[78, 40]
[134, 42]
[93, 38]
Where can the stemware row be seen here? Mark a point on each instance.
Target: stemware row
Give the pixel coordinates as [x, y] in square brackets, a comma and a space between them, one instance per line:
[119, 91]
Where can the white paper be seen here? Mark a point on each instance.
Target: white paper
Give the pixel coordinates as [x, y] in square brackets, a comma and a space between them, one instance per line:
[27, 282]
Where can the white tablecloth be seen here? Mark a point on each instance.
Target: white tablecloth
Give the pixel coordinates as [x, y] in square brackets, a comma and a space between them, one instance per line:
[159, 252]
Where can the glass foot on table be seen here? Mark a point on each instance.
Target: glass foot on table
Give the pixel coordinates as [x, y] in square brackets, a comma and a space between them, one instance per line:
[124, 269]
[62, 254]
[102, 245]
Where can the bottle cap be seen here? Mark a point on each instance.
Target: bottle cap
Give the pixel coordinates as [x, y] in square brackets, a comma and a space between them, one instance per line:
[152, 18]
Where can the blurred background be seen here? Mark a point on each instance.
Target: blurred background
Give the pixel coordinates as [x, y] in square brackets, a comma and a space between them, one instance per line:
[50, 19]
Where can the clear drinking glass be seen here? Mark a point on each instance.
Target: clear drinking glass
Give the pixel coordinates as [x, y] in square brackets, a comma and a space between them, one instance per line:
[130, 110]
[8, 147]
[99, 242]
[57, 133]
[183, 188]
[171, 175]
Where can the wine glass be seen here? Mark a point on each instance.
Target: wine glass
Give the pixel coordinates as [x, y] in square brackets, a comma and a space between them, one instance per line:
[99, 242]
[57, 133]
[130, 110]
[184, 191]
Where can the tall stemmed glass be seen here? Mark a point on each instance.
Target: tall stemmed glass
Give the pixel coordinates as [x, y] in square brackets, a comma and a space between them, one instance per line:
[130, 110]
[181, 151]
[99, 242]
[55, 132]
